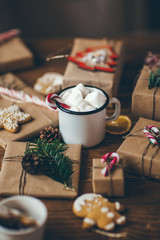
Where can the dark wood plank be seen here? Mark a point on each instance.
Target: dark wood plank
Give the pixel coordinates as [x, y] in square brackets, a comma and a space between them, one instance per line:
[142, 196]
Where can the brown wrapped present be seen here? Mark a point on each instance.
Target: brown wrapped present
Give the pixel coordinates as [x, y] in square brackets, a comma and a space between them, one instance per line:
[109, 82]
[14, 54]
[27, 130]
[111, 185]
[138, 155]
[11, 81]
[36, 184]
[145, 102]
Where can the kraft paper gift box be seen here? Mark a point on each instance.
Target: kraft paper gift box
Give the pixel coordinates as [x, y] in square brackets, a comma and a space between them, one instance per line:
[109, 82]
[145, 102]
[11, 81]
[37, 185]
[14, 54]
[26, 130]
[138, 157]
[110, 185]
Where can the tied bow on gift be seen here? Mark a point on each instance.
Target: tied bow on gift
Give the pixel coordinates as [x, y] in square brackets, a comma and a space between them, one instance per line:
[111, 158]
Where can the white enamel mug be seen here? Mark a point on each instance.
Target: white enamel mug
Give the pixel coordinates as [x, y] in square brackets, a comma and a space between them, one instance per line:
[85, 128]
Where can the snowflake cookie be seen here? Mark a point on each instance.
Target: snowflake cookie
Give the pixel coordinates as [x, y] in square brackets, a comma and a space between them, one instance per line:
[97, 210]
[11, 117]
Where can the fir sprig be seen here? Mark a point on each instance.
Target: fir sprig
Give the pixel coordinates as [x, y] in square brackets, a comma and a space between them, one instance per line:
[53, 162]
[154, 79]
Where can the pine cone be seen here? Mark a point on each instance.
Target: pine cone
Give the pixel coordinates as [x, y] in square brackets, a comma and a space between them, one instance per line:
[30, 163]
[50, 134]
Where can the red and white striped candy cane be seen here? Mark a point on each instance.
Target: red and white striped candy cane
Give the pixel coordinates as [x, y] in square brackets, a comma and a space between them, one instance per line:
[7, 35]
[153, 128]
[115, 159]
[151, 138]
[53, 96]
[23, 96]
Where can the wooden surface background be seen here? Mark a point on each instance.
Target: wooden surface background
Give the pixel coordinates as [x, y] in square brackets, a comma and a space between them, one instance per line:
[142, 196]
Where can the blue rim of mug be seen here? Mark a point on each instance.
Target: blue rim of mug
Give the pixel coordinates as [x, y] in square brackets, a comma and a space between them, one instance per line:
[87, 112]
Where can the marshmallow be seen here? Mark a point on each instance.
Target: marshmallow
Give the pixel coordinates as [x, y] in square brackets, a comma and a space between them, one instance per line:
[83, 89]
[95, 99]
[82, 106]
[74, 98]
[65, 95]
[74, 109]
[89, 108]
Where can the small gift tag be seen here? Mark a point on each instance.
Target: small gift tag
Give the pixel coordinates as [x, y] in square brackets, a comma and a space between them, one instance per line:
[39, 185]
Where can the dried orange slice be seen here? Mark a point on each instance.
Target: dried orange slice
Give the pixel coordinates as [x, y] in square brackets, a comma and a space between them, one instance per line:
[119, 126]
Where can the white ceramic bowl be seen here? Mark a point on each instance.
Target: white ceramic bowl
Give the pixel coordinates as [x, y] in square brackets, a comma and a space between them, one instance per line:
[32, 207]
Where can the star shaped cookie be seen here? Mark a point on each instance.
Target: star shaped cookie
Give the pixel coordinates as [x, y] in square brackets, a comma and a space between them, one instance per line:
[11, 117]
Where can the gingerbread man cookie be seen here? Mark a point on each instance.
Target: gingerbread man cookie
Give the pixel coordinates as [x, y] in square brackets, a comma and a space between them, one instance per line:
[11, 117]
[97, 210]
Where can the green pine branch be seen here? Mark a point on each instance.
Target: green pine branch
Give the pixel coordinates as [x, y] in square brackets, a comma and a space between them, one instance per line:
[53, 162]
[154, 79]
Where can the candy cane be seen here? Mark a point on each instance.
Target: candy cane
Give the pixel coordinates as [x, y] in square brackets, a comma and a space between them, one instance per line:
[149, 135]
[115, 159]
[153, 128]
[7, 35]
[52, 105]
[23, 96]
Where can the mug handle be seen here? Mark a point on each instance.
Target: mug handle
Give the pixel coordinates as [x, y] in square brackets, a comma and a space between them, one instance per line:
[117, 109]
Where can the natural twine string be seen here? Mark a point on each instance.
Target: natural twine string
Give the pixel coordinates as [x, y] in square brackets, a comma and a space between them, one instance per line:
[109, 174]
[16, 158]
[155, 153]
[22, 180]
[142, 160]
[154, 98]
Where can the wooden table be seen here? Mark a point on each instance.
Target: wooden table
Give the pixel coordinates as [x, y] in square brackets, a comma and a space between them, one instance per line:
[142, 196]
